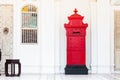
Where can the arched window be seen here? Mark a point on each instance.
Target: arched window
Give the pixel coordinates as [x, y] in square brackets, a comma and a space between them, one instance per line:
[29, 24]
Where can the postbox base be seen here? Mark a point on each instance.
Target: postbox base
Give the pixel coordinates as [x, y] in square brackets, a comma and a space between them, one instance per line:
[76, 69]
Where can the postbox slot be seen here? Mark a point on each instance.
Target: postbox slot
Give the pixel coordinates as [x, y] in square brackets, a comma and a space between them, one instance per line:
[76, 32]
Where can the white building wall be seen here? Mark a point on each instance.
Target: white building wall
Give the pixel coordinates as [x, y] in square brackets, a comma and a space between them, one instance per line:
[49, 55]
[29, 55]
[37, 58]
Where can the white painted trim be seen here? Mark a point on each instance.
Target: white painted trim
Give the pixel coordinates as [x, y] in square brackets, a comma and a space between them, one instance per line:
[104, 69]
[94, 68]
[115, 2]
[62, 68]
[30, 69]
[57, 69]
[47, 69]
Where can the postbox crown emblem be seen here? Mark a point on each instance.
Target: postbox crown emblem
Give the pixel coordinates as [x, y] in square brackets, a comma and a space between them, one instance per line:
[75, 20]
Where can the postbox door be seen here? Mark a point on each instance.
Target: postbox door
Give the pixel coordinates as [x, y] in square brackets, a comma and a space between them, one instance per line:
[75, 43]
[76, 57]
[76, 50]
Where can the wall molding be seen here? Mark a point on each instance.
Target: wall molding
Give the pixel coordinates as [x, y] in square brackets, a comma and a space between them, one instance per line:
[103, 69]
[47, 69]
[30, 69]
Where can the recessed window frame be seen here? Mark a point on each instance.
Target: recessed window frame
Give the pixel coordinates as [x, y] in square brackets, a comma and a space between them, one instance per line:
[29, 33]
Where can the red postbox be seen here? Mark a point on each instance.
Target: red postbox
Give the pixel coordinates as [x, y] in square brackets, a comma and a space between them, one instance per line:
[76, 45]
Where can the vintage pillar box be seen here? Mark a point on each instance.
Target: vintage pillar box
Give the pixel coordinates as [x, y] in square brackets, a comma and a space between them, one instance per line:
[76, 45]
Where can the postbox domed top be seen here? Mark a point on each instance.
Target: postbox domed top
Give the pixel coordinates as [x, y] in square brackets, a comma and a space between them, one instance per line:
[75, 15]
[76, 20]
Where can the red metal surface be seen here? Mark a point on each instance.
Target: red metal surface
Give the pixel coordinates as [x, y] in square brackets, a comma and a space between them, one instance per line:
[76, 32]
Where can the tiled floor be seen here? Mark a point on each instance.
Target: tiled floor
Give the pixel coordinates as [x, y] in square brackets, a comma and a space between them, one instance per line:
[64, 77]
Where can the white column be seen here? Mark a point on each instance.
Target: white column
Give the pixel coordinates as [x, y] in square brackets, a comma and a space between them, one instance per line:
[94, 53]
[103, 24]
[57, 36]
[47, 36]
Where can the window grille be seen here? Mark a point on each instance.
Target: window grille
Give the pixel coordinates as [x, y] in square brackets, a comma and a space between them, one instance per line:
[29, 24]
